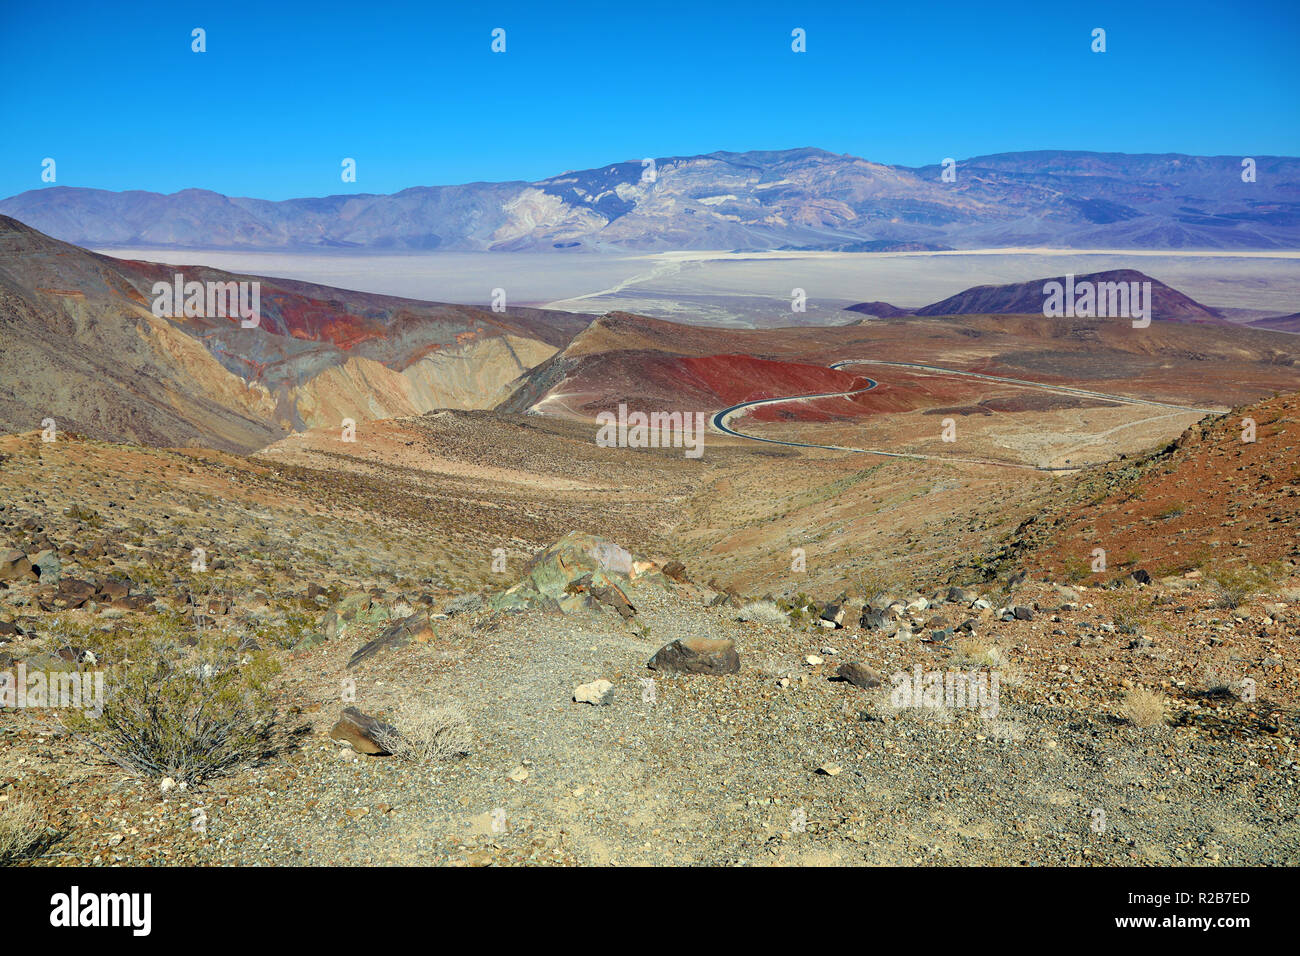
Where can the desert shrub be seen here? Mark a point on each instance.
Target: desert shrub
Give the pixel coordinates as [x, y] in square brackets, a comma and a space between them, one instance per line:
[1129, 609]
[764, 612]
[189, 721]
[972, 652]
[22, 829]
[1234, 586]
[798, 609]
[1143, 708]
[1076, 569]
[287, 633]
[423, 731]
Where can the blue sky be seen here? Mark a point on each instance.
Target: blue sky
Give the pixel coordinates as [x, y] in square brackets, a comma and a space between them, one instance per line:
[413, 92]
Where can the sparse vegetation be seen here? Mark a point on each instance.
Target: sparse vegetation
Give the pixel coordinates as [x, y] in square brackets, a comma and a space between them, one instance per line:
[463, 603]
[764, 612]
[424, 731]
[1176, 510]
[1143, 708]
[798, 609]
[972, 652]
[1131, 610]
[22, 829]
[1235, 586]
[184, 721]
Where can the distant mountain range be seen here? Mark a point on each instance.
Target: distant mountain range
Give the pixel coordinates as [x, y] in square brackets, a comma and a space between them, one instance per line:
[780, 199]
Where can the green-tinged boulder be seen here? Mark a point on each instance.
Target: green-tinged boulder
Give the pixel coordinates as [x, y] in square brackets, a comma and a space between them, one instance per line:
[355, 610]
[578, 571]
[360, 609]
[48, 566]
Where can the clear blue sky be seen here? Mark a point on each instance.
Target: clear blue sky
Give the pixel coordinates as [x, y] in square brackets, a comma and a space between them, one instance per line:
[412, 91]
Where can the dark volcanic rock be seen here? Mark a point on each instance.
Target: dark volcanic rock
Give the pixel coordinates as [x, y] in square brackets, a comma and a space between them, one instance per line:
[697, 655]
[413, 628]
[675, 570]
[859, 675]
[834, 613]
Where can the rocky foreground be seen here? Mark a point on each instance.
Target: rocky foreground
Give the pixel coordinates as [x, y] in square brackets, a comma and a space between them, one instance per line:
[603, 702]
[614, 713]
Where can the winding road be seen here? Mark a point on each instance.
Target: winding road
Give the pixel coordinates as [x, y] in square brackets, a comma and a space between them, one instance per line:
[720, 419]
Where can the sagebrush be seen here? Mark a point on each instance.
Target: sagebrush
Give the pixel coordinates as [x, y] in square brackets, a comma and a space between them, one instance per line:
[764, 612]
[22, 829]
[188, 722]
[423, 730]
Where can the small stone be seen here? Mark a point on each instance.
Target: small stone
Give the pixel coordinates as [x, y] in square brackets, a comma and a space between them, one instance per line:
[598, 692]
[519, 774]
[829, 769]
[167, 784]
[812, 660]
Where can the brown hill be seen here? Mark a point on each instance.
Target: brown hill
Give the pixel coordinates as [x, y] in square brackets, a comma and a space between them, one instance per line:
[632, 358]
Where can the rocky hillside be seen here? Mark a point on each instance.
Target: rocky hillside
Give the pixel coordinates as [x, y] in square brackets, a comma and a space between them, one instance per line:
[83, 346]
[1211, 505]
[594, 700]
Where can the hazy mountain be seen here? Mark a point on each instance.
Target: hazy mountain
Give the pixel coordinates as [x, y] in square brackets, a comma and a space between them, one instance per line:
[1279, 323]
[781, 199]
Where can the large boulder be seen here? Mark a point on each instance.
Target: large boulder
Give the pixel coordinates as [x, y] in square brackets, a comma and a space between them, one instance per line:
[48, 566]
[697, 655]
[14, 566]
[857, 674]
[578, 571]
[362, 732]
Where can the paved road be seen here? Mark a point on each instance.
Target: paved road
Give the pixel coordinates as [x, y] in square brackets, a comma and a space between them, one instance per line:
[720, 419]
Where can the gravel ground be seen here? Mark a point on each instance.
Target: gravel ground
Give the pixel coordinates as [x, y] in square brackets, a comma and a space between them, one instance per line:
[721, 769]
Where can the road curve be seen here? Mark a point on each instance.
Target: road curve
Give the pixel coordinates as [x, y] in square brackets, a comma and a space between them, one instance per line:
[720, 419]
